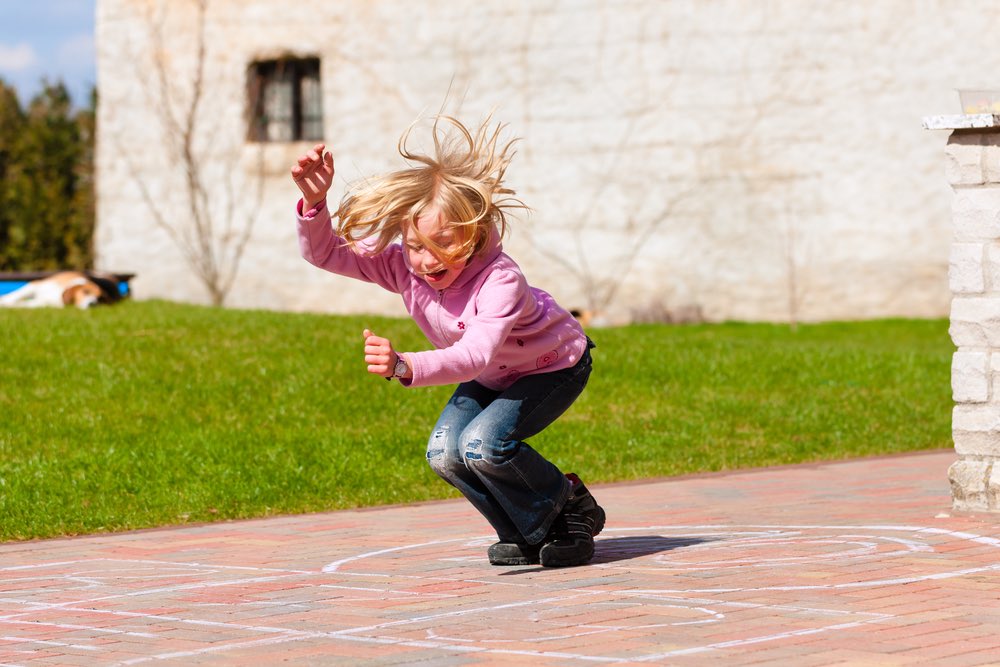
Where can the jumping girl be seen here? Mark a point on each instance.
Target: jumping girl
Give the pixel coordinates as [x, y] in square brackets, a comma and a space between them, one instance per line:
[518, 358]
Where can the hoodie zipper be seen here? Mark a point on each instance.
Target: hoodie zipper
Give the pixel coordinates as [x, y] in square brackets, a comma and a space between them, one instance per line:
[441, 331]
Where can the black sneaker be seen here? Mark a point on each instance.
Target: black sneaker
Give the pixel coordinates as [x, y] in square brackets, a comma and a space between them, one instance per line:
[588, 505]
[516, 553]
[513, 553]
[571, 538]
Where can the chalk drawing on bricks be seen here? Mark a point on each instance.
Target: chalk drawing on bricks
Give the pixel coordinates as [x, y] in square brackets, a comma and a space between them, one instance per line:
[681, 585]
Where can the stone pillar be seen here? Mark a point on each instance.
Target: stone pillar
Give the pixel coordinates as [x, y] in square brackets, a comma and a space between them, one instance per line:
[973, 169]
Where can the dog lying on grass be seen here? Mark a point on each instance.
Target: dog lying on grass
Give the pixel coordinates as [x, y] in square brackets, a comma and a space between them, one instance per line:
[66, 288]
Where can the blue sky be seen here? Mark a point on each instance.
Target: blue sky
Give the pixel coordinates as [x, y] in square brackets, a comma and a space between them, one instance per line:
[51, 39]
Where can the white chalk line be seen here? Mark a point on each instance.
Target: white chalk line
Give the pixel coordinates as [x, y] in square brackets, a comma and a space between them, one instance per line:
[146, 561]
[466, 612]
[661, 595]
[35, 566]
[335, 565]
[721, 530]
[45, 642]
[776, 530]
[287, 606]
[168, 589]
[863, 549]
[736, 643]
[869, 550]
[703, 531]
[267, 641]
[385, 594]
[431, 578]
[685, 604]
[588, 629]
[71, 626]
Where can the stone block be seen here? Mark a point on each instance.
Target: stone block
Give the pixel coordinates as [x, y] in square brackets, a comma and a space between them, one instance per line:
[976, 213]
[978, 444]
[975, 321]
[991, 157]
[970, 378]
[976, 429]
[978, 417]
[964, 157]
[968, 480]
[965, 268]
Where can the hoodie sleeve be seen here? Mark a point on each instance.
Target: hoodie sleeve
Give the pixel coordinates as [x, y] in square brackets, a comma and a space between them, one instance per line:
[499, 303]
[322, 248]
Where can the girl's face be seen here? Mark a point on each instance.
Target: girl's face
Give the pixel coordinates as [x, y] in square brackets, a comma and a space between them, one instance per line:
[428, 266]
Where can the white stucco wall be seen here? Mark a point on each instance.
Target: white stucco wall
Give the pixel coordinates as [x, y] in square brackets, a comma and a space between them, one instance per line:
[717, 156]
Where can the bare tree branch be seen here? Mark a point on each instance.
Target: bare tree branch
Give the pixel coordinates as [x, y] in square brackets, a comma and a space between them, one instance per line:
[213, 234]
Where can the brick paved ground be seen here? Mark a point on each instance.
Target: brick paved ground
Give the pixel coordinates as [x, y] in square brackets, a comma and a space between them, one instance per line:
[856, 563]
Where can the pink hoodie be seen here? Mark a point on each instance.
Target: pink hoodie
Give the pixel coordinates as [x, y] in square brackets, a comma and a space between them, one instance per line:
[489, 325]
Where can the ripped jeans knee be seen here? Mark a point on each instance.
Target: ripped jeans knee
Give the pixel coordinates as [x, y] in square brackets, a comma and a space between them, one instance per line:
[481, 452]
[442, 454]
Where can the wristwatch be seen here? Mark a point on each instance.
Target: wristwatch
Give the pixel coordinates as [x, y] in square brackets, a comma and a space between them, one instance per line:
[400, 368]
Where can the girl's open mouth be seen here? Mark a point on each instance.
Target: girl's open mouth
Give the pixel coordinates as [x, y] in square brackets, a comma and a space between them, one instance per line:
[436, 275]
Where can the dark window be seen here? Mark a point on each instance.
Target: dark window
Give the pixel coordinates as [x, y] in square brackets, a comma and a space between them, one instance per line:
[285, 100]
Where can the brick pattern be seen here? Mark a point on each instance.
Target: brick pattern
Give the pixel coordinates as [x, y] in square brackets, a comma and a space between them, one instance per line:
[973, 169]
[850, 563]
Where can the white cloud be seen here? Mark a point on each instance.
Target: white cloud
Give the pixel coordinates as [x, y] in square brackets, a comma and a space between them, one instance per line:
[17, 58]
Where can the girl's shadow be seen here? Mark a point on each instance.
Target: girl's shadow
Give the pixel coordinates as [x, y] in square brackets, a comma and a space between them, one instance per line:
[615, 549]
[636, 546]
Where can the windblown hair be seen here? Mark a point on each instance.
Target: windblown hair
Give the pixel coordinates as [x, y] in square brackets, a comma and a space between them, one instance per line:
[463, 179]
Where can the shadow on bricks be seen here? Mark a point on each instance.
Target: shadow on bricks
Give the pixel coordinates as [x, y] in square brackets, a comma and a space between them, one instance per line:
[615, 549]
[636, 546]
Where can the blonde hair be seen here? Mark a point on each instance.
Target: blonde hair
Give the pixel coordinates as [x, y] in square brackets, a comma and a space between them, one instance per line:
[463, 180]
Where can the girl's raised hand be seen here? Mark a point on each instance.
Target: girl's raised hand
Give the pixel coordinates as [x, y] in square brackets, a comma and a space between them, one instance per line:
[379, 355]
[314, 175]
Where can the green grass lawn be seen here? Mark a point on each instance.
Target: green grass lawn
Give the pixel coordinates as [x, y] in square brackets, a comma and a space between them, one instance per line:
[152, 413]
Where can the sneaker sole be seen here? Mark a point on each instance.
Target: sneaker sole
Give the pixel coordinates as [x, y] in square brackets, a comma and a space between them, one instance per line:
[502, 560]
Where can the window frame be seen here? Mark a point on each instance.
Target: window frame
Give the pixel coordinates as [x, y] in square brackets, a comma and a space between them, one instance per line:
[264, 72]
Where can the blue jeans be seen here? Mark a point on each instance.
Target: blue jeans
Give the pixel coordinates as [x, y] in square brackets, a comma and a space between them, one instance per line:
[478, 447]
